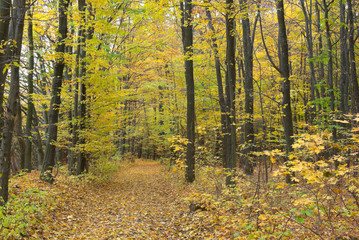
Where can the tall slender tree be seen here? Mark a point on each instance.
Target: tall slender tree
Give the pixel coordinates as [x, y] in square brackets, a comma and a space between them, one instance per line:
[308, 13]
[352, 60]
[81, 161]
[30, 104]
[187, 37]
[5, 6]
[285, 74]
[49, 158]
[230, 135]
[329, 49]
[344, 60]
[320, 49]
[86, 34]
[221, 98]
[19, 10]
[75, 107]
[248, 86]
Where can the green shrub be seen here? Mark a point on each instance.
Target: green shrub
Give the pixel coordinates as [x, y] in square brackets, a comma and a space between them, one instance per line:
[23, 213]
[103, 170]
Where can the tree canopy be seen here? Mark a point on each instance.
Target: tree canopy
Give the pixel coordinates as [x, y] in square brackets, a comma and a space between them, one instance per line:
[264, 89]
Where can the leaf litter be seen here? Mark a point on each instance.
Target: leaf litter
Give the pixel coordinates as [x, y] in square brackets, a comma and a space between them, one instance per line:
[140, 202]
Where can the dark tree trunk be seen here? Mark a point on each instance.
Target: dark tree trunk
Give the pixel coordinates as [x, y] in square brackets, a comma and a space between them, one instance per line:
[43, 83]
[187, 37]
[320, 51]
[30, 104]
[330, 62]
[49, 158]
[285, 73]
[81, 161]
[248, 89]
[353, 70]
[230, 137]
[344, 61]
[38, 141]
[83, 165]
[75, 126]
[309, 40]
[222, 102]
[13, 101]
[69, 78]
[18, 143]
[5, 6]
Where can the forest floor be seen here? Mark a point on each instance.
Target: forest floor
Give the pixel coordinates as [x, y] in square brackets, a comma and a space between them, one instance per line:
[143, 200]
[140, 202]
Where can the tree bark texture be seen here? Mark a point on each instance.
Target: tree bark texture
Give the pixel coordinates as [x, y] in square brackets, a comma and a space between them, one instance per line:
[309, 41]
[352, 61]
[81, 161]
[187, 34]
[330, 61]
[248, 88]
[285, 73]
[5, 9]
[230, 135]
[30, 104]
[49, 158]
[13, 100]
[344, 60]
[221, 97]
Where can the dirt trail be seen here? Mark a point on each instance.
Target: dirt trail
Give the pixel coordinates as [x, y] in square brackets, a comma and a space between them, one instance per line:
[139, 204]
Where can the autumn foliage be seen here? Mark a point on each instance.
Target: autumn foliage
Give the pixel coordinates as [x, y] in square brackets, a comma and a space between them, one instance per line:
[162, 119]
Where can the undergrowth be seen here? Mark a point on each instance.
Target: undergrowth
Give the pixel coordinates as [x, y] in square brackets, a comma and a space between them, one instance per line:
[31, 202]
[323, 203]
[102, 171]
[26, 209]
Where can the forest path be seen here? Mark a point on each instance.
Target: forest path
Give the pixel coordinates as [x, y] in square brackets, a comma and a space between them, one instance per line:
[140, 203]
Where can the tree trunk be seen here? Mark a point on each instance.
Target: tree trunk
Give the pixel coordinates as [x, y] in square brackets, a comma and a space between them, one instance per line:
[38, 141]
[309, 41]
[69, 78]
[248, 88]
[5, 6]
[353, 70]
[330, 62]
[13, 101]
[344, 61]
[285, 73]
[187, 34]
[18, 143]
[43, 83]
[73, 155]
[81, 161]
[320, 52]
[49, 158]
[222, 102]
[230, 143]
[30, 104]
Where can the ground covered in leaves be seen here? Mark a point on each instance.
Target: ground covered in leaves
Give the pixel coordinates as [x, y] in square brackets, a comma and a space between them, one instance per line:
[140, 202]
[144, 200]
